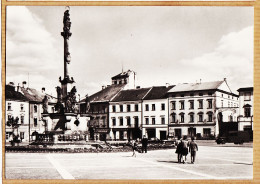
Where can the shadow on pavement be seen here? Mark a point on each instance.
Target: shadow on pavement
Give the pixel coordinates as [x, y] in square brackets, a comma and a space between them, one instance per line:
[243, 163]
[176, 162]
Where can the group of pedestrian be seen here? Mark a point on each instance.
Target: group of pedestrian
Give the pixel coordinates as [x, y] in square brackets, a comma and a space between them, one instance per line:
[184, 147]
[144, 142]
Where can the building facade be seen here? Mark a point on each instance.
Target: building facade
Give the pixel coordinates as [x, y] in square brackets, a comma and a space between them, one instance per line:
[200, 109]
[16, 115]
[246, 103]
[125, 111]
[155, 115]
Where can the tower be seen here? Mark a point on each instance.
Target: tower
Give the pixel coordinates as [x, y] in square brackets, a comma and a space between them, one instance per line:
[66, 34]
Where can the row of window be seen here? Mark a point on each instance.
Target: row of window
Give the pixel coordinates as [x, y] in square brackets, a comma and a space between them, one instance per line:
[21, 120]
[153, 121]
[128, 108]
[128, 121]
[9, 107]
[191, 117]
[136, 107]
[191, 104]
[192, 94]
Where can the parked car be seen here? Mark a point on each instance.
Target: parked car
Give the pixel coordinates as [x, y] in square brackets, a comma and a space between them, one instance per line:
[221, 140]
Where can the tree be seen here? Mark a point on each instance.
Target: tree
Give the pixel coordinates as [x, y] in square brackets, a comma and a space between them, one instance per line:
[14, 123]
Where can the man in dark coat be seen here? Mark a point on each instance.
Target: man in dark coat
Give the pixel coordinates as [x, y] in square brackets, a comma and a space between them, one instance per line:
[144, 144]
[193, 148]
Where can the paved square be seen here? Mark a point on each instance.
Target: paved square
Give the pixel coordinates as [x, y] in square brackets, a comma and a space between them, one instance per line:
[213, 162]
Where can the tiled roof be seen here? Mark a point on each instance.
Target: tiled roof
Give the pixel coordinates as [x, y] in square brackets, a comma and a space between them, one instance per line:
[106, 94]
[131, 95]
[196, 86]
[32, 94]
[246, 89]
[36, 96]
[11, 94]
[157, 92]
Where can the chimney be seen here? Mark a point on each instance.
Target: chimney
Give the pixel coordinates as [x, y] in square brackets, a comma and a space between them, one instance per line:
[18, 88]
[11, 84]
[43, 89]
[167, 85]
[103, 87]
[225, 79]
[24, 84]
[200, 81]
[138, 87]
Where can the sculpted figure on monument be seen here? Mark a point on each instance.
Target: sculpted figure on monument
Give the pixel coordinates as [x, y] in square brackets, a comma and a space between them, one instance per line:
[87, 103]
[45, 104]
[58, 89]
[70, 103]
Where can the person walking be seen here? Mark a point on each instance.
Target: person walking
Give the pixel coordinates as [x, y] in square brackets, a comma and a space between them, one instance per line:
[134, 146]
[144, 144]
[185, 150]
[179, 150]
[193, 149]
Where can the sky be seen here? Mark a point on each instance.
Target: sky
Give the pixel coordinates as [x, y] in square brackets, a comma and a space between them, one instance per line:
[168, 44]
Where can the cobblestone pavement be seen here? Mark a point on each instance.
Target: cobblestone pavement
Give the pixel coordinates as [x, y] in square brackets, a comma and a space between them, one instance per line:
[219, 162]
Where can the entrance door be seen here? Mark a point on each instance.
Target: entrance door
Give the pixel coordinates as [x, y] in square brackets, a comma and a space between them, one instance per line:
[162, 135]
[151, 133]
[177, 132]
[192, 132]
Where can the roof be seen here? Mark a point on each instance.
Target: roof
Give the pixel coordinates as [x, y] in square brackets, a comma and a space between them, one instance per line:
[131, 95]
[11, 94]
[196, 86]
[122, 75]
[157, 92]
[36, 96]
[106, 94]
[245, 89]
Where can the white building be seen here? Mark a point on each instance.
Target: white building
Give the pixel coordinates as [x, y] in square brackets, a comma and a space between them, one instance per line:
[17, 107]
[156, 113]
[246, 102]
[125, 114]
[201, 109]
